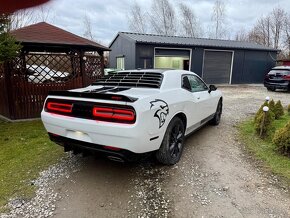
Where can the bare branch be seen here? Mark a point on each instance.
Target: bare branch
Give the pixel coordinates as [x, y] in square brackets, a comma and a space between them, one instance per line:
[218, 18]
[277, 18]
[189, 22]
[88, 33]
[242, 35]
[44, 13]
[137, 19]
[162, 18]
[22, 18]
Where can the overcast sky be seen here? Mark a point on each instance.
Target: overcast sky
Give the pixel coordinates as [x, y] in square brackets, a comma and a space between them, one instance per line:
[110, 16]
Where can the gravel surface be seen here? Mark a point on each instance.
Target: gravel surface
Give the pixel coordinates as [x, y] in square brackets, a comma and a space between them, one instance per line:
[43, 204]
[214, 178]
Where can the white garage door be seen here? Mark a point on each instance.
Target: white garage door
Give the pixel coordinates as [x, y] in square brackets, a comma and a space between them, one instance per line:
[217, 66]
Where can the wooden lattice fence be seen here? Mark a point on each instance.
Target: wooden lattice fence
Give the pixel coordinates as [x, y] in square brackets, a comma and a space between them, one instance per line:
[26, 80]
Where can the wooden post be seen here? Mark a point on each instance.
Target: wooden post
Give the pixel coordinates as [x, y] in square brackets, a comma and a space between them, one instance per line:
[83, 69]
[9, 89]
[262, 124]
[102, 62]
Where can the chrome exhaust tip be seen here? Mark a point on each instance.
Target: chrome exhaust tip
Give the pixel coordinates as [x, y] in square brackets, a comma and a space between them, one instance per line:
[117, 159]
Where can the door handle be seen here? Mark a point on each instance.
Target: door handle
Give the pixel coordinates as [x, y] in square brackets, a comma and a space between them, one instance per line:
[198, 98]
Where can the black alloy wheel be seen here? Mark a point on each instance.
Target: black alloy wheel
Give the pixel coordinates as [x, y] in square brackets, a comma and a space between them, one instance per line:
[171, 147]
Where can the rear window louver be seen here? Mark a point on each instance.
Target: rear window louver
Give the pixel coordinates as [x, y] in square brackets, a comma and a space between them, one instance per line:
[132, 79]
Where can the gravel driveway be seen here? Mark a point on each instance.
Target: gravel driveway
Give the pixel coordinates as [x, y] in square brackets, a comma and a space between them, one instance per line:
[215, 177]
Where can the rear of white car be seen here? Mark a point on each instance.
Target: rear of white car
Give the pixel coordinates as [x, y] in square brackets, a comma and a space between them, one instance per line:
[125, 114]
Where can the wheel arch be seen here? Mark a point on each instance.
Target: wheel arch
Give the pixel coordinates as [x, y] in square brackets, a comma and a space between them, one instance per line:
[183, 118]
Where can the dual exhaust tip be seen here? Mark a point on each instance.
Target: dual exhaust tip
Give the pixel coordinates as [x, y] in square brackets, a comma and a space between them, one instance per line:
[117, 159]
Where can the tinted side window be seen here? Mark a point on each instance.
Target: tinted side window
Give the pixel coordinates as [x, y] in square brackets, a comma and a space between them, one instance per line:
[196, 84]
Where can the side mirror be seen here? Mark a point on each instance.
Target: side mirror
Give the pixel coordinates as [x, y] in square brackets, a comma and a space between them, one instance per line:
[212, 88]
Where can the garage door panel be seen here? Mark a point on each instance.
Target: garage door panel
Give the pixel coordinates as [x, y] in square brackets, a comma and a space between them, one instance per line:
[217, 66]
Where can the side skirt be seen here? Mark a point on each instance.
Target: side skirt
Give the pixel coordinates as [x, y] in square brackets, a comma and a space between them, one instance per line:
[197, 126]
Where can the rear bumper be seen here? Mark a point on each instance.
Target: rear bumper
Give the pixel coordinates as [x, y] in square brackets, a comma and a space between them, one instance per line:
[76, 145]
[131, 137]
[284, 85]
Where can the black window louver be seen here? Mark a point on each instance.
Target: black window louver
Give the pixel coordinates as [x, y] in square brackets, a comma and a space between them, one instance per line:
[132, 79]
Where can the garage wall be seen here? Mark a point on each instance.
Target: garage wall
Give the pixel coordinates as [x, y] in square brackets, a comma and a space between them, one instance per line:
[123, 47]
[144, 52]
[196, 60]
[248, 66]
[256, 65]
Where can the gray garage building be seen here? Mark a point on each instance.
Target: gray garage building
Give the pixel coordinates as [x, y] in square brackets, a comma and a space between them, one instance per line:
[216, 61]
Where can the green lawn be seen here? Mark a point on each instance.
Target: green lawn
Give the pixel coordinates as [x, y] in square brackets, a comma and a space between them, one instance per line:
[265, 150]
[25, 150]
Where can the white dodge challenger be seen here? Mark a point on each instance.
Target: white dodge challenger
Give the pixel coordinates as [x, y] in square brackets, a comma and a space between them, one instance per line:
[132, 112]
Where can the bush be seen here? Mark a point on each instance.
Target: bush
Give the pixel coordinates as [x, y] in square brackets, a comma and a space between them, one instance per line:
[260, 111]
[278, 110]
[272, 105]
[268, 120]
[282, 139]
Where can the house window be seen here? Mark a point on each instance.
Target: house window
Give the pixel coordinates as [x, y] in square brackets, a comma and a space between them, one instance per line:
[121, 63]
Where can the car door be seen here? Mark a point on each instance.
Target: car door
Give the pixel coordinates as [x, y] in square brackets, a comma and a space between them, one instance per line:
[199, 106]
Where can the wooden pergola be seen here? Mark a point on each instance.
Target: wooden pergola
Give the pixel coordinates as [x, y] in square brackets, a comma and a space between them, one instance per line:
[51, 59]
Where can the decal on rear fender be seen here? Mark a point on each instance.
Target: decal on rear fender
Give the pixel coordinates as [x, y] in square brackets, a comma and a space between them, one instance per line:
[161, 112]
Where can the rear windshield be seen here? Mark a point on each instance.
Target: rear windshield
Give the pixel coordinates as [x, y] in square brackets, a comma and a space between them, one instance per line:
[279, 72]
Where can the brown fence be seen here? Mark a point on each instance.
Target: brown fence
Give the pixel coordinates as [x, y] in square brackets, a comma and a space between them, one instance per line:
[4, 110]
[26, 81]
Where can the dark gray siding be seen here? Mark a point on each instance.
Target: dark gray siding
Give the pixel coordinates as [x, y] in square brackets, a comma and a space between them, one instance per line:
[144, 52]
[123, 47]
[249, 66]
[197, 60]
[256, 65]
[238, 66]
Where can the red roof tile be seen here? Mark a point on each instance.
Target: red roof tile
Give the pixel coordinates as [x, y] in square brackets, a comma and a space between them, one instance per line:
[45, 33]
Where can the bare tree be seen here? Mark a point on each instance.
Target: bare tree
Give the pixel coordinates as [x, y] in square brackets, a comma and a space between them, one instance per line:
[287, 34]
[137, 19]
[242, 35]
[189, 22]
[218, 18]
[162, 17]
[43, 13]
[277, 18]
[22, 18]
[268, 30]
[261, 32]
[88, 32]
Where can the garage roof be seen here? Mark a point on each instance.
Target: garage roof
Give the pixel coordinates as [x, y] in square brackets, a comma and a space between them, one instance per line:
[189, 41]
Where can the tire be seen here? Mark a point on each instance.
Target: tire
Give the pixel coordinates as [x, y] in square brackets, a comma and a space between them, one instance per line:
[217, 116]
[271, 89]
[171, 147]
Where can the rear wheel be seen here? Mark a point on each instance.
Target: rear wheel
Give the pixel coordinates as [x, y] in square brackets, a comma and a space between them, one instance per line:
[217, 116]
[171, 148]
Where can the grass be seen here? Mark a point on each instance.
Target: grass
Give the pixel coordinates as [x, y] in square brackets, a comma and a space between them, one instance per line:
[25, 150]
[265, 150]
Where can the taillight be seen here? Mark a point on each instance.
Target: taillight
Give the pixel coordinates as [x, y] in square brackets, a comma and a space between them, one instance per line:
[286, 77]
[57, 107]
[112, 114]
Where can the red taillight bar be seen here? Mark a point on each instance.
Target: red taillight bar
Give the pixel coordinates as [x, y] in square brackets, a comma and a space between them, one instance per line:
[286, 77]
[122, 115]
[59, 107]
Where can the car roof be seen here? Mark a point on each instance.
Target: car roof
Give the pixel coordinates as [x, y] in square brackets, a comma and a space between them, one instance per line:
[281, 68]
[145, 70]
[156, 70]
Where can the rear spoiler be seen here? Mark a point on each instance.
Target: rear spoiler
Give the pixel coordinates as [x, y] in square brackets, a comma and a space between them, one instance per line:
[93, 95]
